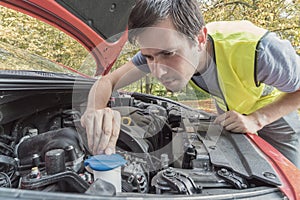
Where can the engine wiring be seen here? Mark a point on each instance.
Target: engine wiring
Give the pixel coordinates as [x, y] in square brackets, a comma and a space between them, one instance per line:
[5, 180]
[7, 161]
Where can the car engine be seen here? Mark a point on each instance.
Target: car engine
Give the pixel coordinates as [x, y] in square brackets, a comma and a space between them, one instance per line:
[169, 149]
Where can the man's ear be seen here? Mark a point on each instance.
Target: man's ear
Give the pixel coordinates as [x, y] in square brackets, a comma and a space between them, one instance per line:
[202, 37]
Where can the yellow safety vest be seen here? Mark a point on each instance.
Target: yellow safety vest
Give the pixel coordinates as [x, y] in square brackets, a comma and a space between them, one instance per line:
[235, 44]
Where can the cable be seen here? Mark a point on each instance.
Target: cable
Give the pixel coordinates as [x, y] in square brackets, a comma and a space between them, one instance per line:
[4, 180]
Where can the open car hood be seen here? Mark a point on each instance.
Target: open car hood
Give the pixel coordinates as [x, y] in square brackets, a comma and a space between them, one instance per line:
[86, 21]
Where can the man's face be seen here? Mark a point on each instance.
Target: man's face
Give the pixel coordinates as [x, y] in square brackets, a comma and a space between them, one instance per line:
[171, 57]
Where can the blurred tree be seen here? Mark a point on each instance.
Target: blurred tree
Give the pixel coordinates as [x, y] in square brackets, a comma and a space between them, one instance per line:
[36, 37]
[280, 16]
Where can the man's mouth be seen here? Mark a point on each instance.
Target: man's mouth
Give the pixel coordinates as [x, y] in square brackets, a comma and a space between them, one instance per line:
[167, 82]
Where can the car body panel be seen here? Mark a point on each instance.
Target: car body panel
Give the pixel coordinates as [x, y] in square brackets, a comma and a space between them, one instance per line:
[290, 174]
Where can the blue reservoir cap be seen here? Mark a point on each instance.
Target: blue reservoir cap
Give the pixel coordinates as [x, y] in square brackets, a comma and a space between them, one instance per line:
[105, 162]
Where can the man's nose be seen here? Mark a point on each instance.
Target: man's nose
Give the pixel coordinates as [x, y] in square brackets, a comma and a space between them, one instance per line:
[158, 70]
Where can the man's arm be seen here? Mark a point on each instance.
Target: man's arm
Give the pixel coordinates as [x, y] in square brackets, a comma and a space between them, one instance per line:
[102, 89]
[103, 124]
[235, 122]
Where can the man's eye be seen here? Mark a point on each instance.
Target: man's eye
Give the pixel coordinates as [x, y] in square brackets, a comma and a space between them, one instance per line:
[149, 57]
[169, 53]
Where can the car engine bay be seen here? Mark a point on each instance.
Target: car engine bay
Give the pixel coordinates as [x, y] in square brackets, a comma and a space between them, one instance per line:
[170, 149]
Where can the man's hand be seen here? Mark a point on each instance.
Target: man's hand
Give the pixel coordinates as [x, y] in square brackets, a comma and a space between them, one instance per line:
[238, 123]
[102, 129]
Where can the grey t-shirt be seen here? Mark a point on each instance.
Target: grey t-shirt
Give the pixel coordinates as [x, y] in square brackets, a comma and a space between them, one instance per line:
[278, 65]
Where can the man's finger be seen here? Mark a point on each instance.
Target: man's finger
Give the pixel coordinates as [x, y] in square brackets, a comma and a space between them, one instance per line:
[82, 121]
[97, 132]
[232, 126]
[106, 129]
[89, 123]
[239, 130]
[221, 118]
[111, 147]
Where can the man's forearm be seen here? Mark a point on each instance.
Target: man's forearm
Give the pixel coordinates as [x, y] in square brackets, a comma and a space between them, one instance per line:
[285, 104]
[236, 122]
[100, 93]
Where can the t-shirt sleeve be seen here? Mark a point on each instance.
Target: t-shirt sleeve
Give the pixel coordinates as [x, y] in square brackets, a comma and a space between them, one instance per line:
[140, 62]
[278, 64]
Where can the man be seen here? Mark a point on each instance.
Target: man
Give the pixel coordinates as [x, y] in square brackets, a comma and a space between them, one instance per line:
[253, 75]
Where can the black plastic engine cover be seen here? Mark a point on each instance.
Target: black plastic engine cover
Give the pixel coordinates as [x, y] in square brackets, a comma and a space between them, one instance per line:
[236, 152]
[42, 143]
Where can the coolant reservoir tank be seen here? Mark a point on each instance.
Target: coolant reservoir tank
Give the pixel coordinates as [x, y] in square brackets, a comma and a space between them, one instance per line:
[107, 168]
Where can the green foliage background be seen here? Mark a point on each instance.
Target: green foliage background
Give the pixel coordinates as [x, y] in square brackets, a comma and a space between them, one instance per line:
[24, 32]
[280, 16]
[18, 30]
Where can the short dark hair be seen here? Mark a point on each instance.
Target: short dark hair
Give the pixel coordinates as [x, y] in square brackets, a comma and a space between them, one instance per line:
[185, 15]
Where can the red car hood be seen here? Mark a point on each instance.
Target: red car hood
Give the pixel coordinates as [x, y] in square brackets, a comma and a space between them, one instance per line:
[86, 21]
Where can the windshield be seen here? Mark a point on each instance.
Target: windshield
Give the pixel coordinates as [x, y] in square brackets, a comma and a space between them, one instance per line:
[12, 58]
[29, 44]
